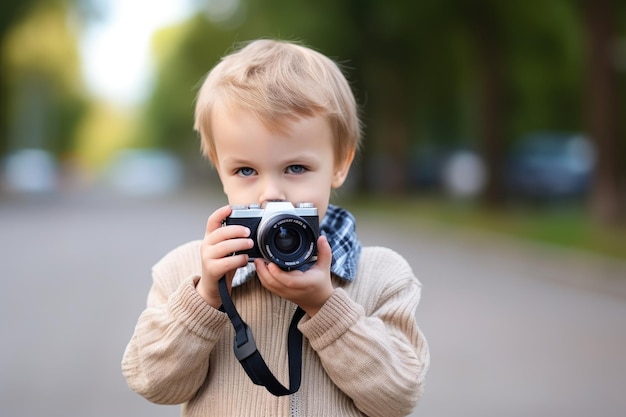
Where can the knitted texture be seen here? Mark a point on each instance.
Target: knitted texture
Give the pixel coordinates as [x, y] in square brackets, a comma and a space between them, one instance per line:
[363, 352]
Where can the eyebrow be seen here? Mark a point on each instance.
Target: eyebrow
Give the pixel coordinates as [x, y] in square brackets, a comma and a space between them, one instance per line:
[236, 161]
[301, 158]
[308, 157]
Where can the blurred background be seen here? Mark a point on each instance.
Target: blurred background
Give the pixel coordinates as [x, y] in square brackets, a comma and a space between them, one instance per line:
[494, 133]
[467, 105]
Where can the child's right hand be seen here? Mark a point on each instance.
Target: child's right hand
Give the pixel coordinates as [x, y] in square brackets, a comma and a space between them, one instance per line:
[216, 249]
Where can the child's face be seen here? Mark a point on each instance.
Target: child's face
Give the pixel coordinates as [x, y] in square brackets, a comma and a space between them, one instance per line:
[257, 165]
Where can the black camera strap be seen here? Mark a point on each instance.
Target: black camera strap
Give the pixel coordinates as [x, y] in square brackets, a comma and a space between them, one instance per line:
[248, 355]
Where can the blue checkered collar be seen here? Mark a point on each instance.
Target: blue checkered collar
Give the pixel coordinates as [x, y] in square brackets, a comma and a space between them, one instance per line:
[339, 227]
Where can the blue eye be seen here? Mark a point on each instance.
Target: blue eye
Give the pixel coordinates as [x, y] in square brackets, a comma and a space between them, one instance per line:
[245, 172]
[296, 169]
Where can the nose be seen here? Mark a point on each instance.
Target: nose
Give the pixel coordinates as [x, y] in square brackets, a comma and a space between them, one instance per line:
[271, 191]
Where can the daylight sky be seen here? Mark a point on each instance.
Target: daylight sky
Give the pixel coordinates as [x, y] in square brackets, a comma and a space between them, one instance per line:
[116, 50]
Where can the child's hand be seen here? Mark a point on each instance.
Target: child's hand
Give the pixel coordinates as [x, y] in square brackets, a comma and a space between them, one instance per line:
[218, 245]
[310, 289]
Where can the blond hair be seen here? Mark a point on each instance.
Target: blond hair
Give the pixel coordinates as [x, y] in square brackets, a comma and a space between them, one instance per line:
[279, 81]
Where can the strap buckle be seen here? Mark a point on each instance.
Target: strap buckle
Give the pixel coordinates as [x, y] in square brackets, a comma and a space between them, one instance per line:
[248, 355]
[246, 347]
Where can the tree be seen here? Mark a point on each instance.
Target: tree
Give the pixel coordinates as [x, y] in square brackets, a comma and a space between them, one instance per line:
[39, 66]
[10, 12]
[473, 72]
[184, 53]
[485, 23]
[607, 203]
[42, 80]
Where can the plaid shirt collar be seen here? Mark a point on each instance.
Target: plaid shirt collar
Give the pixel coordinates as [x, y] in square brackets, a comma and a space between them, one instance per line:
[339, 227]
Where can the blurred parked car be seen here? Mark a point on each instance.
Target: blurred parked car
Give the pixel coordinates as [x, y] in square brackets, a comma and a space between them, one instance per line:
[144, 172]
[426, 165]
[30, 171]
[464, 174]
[551, 165]
[457, 170]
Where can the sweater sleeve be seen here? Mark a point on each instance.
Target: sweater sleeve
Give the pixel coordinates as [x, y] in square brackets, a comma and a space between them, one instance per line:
[379, 357]
[167, 358]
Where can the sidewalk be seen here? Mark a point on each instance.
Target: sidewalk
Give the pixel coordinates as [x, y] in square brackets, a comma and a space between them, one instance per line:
[571, 267]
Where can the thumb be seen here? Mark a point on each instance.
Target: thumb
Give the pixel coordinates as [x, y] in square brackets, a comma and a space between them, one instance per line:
[324, 253]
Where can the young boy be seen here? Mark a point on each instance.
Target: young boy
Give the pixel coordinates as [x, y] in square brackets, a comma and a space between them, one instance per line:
[279, 123]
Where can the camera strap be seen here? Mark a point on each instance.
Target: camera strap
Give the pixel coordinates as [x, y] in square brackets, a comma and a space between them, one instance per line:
[248, 355]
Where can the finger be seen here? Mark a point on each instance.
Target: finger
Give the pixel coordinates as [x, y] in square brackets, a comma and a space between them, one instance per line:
[229, 264]
[214, 269]
[265, 274]
[261, 267]
[227, 247]
[217, 218]
[225, 233]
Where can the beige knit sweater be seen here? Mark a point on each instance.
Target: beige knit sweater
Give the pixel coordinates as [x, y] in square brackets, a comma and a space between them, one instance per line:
[363, 353]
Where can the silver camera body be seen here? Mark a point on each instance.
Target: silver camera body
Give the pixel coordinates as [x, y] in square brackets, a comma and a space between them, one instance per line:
[282, 234]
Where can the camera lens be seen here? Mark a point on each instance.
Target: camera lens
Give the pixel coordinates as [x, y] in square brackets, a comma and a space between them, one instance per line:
[287, 240]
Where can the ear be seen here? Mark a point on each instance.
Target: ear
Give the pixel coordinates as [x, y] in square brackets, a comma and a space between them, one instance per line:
[342, 168]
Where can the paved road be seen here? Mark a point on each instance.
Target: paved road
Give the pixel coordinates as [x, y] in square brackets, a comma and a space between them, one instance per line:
[514, 330]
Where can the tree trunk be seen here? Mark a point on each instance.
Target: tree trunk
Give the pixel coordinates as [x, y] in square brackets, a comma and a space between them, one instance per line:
[488, 44]
[602, 111]
[492, 113]
[394, 131]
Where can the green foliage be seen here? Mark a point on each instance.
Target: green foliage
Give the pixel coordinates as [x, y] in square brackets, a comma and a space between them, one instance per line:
[562, 225]
[184, 54]
[41, 71]
[418, 68]
[429, 49]
[423, 72]
[545, 68]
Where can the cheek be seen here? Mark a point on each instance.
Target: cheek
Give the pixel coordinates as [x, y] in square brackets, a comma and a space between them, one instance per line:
[232, 191]
[321, 203]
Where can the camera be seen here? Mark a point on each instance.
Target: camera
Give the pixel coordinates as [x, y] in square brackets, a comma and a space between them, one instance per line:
[282, 234]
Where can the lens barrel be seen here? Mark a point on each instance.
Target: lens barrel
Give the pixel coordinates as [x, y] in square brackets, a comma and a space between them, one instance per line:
[287, 240]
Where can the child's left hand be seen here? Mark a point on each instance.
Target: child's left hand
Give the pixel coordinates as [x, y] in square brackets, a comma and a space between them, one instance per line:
[310, 289]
